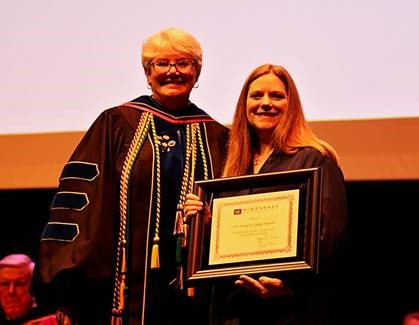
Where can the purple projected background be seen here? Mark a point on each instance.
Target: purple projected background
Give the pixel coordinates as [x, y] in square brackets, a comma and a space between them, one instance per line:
[62, 63]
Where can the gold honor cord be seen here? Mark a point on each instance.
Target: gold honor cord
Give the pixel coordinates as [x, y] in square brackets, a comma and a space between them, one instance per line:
[193, 135]
[155, 259]
[179, 229]
[118, 303]
[201, 148]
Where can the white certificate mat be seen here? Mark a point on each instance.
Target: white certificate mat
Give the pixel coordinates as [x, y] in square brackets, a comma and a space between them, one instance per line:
[254, 227]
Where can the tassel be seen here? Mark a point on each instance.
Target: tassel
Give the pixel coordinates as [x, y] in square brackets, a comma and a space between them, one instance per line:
[185, 235]
[178, 229]
[116, 320]
[124, 259]
[190, 292]
[122, 292]
[179, 250]
[179, 278]
[155, 260]
[117, 313]
[116, 317]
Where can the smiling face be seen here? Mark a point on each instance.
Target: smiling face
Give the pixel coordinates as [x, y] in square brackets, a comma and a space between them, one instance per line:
[266, 101]
[172, 87]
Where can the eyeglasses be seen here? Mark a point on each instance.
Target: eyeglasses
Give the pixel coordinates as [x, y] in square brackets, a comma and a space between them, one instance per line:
[182, 66]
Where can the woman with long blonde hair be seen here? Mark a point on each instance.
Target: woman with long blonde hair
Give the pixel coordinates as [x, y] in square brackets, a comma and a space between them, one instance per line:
[269, 133]
[290, 134]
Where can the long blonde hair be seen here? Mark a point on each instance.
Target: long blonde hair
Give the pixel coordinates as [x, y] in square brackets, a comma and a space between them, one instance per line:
[291, 133]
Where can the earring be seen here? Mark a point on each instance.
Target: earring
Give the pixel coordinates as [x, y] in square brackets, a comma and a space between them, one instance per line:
[196, 85]
[148, 86]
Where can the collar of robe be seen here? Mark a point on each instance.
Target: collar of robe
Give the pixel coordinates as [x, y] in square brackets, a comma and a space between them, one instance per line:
[190, 114]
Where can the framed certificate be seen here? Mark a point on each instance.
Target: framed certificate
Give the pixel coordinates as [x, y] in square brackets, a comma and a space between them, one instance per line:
[256, 224]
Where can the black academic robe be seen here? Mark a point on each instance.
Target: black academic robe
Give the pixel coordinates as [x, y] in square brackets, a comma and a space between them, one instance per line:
[312, 298]
[76, 267]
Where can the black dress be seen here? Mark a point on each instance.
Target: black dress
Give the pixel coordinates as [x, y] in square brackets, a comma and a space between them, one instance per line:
[311, 301]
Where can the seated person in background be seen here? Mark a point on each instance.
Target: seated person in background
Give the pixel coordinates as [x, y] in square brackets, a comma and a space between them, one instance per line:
[17, 305]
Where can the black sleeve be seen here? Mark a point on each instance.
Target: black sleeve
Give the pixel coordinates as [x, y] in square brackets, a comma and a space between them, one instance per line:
[74, 269]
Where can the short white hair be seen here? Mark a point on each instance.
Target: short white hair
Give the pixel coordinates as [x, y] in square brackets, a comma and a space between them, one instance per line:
[171, 40]
[17, 260]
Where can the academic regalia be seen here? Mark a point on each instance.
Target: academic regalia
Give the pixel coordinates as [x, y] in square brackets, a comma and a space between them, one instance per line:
[117, 198]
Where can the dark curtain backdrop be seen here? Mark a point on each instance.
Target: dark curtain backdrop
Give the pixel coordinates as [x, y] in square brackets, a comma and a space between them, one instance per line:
[378, 274]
